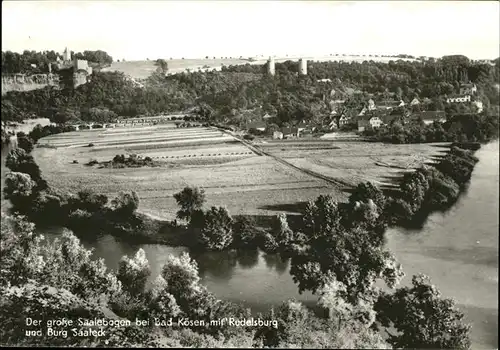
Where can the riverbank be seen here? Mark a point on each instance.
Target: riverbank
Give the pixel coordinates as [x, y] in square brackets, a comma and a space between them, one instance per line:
[459, 249]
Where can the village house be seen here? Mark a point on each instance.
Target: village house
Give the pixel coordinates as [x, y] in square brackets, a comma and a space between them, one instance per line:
[333, 125]
[369, 121]
[430, 117]
[267, 116]
[414, 102]
[301, 126]
[344, 120]
[468, 89]
[290, 132]
[362, 112]
[388, 118]
[277, 135]
[261, 126]
[371, 105]
[391, 105]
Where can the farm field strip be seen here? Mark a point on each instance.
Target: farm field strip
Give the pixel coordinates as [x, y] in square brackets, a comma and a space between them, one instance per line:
[131, 131]
[188, 143]
[155, 139]
[154, 193]
[132, 145]
[141, 141]
[159, 136]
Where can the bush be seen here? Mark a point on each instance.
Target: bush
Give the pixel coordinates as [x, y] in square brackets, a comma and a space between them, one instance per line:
[92, 162]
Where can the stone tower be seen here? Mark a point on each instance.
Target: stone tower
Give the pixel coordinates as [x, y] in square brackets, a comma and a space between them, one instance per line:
[66, 55]
[270, 66]
[302, 66]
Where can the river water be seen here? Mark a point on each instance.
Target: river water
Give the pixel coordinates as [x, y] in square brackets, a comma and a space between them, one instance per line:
[457, 249]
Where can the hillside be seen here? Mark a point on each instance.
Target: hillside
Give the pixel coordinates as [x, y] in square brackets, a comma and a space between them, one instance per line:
[143, 69]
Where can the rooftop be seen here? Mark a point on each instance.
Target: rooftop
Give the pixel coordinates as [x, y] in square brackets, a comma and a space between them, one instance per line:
[430, 115]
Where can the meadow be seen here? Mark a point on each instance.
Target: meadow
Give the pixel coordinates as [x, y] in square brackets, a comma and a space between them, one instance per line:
[230, 172]
[353, 162]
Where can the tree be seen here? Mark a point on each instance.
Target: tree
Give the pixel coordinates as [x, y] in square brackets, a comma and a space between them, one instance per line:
[244, 232]
[19, 188]
[365, 191]
[321, 216]
[89, 201]
[162, 304]
[216, 233]
[19, 161]
[353, 254]
[189, 199]
[133, 273]
[183, 283]
[162, 65]
[125, 204]
[422, 318]
[26, 143]
[282, 232]
[296, 327]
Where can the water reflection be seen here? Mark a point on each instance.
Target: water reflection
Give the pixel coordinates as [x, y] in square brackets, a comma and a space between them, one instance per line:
[277, 263]
[220, 265]
[248, 259]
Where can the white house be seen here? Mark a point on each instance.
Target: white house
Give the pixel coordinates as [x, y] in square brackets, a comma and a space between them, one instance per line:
[368, 121]
[468, 89]
[277, 135]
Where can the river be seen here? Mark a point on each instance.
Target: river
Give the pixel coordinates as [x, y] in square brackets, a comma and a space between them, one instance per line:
[457, 249]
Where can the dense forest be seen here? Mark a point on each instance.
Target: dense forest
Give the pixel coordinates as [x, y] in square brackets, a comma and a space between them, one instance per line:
[227, 96]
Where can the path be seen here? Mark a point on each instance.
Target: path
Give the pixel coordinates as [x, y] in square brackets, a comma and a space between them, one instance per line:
[260, 152]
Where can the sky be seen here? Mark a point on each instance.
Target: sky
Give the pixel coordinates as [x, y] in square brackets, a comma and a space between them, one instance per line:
[136, 30]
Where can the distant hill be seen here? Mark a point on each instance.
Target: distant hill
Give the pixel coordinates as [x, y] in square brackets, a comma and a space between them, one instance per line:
[143, 69]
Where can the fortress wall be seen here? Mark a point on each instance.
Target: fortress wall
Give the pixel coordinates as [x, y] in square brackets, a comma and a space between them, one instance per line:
[21, 82]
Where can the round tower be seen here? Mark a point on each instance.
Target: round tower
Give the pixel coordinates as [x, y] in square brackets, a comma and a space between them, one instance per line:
[270, 66]
[302, 66]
